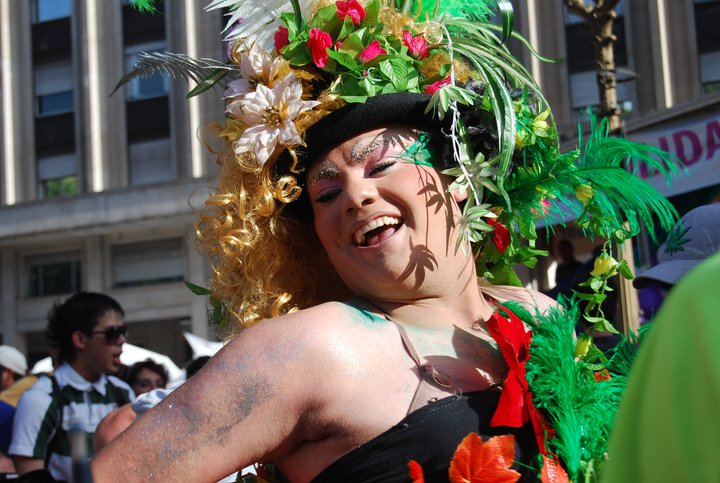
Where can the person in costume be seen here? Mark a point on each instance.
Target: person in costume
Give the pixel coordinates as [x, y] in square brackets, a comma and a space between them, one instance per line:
[384, 169]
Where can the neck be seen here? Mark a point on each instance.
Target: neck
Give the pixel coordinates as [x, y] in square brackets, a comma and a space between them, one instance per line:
[463, 309]
[86, 372]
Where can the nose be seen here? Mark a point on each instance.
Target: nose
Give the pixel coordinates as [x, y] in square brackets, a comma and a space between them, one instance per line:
[359, 192]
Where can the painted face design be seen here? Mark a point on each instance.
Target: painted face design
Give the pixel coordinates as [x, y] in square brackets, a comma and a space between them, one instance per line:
[381, 211]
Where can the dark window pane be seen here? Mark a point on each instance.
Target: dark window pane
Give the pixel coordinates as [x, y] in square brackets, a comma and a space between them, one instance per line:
[54, 278]
[55, 103]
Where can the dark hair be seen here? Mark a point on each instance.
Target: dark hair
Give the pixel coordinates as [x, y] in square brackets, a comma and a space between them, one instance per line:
[135, 369]
[81, 312]
[195, 365]
[16, 376]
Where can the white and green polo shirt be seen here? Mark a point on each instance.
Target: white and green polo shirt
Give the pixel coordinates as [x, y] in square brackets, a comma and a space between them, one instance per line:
[37, 432]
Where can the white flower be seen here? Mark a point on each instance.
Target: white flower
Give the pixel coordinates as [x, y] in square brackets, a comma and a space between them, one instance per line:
[256, 67]
[271, 114]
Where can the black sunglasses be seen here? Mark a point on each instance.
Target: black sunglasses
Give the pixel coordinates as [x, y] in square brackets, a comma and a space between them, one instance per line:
[113, 334]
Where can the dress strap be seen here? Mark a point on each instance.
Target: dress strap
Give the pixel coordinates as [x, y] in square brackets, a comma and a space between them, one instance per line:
[429, 375]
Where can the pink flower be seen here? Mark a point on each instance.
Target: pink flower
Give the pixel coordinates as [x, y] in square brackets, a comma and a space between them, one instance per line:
[372, 51]
[417, 46]
[281, 38]
[351, 8]
[319, 42]
[432, 88]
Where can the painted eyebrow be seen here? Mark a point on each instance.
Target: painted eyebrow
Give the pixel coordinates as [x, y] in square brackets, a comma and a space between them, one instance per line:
[327, 170]
[361, 150]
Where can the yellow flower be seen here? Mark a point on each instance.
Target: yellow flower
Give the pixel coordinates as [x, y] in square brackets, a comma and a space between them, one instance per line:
[583, 345]
[540, 124]
[604, 265]
[584, 193]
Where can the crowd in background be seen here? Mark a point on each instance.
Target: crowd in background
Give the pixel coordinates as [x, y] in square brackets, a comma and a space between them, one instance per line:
[40, 412]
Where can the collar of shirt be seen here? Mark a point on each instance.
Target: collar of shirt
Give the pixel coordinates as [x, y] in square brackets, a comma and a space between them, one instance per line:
[66, 375]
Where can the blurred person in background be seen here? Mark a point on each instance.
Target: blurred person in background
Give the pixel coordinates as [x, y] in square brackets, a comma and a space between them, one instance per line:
[693, 239]
[13, 367]
[88, 331]
[144, 376]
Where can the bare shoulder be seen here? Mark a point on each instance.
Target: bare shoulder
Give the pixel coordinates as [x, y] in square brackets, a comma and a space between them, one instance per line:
[530, 298]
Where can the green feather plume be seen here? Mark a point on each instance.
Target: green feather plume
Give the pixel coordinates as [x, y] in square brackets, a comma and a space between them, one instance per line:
[145, 6]
[613, 194]
[580, 409]
[470, 9]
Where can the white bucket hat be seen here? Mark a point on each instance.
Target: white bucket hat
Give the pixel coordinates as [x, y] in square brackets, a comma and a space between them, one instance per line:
[693, 239]
[13, 359]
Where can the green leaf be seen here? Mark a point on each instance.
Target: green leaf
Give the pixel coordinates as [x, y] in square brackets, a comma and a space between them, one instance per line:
[624, 270]
[207, 83]
[197, 289]
[344, 59]
[505, 9]
[352, 45]
[596, 284]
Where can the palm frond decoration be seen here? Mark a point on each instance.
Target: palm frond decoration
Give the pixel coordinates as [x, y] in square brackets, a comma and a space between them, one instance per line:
[257, 19]
[177, 65]
[595, 184]
[478, 43]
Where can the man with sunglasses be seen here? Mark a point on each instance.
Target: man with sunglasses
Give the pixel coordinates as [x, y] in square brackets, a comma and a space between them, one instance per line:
[88, 332]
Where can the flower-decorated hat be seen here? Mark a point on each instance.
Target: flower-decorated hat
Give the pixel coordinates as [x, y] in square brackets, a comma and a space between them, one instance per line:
[303, 75]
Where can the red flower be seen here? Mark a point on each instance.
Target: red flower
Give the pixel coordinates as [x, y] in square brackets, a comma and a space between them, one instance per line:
[416, 472]
[600, 376]
[318, 43]
[372, 51]
[281, 38]
[432, 88]
[489, 461]
[351, 8]
[501, 236]
[417, 46]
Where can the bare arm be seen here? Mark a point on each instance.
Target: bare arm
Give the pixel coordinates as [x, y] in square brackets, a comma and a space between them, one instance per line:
[246, 405]
[23, 464]
[112, 425]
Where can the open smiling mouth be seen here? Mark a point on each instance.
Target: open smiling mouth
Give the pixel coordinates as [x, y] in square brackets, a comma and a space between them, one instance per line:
[376, 231]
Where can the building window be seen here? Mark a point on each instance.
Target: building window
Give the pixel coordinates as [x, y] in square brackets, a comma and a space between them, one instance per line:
[54, 89]
[584, 93]
[149, 87]
[54, 274]
[707, 13]
[44, 10]
[57, 176]
[150, 162]
[147, 263]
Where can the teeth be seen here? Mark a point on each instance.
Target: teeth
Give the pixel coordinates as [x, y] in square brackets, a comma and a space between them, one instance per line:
[359, 235]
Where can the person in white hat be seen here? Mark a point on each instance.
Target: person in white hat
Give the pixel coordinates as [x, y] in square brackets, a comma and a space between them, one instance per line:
[693, 239]
[13, 366]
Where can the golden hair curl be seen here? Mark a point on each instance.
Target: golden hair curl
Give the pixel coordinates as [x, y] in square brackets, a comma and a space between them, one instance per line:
[265, 264]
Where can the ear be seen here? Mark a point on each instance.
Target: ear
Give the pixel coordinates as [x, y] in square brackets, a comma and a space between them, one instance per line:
[79, 340]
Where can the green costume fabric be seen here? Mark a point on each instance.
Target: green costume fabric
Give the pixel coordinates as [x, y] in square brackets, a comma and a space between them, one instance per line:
[668, 426]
